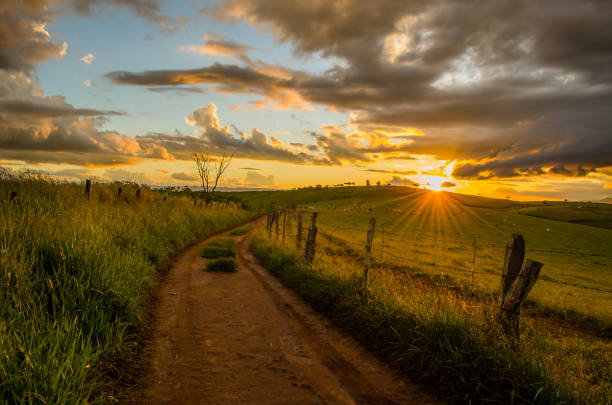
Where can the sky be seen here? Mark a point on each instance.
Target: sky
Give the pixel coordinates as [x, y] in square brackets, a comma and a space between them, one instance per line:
[497, 98]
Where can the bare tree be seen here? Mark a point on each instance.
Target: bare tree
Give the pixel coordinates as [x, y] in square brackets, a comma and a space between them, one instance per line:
[210, 170]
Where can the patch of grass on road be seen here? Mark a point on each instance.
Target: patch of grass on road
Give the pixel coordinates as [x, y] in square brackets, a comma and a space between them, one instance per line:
[221, 247]
[224, 264]
[241, 231]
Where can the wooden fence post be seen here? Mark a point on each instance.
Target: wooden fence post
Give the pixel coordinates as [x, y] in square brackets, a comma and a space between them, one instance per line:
[284, 224]
[515, 254]
[138, 193]
[298, 237]
[517, 280]
[473, 265]
[119, 191]
[269, 225]
[522, 285]
[368, 250]
[382, 242]
[88, 187]
[312, 237]
[276, 219]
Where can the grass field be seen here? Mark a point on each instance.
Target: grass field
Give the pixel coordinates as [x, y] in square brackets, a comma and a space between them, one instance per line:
[76, 272]
[430, 318]
[433, 234]
[74, 277]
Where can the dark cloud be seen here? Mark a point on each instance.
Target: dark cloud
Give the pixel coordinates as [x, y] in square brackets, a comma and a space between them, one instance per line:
[254, 169]
[500, 81]
[178, 89]
[448, 184]
[23, 39]
[232, 78]
[504, 89]
[47, 110]
[147, 9]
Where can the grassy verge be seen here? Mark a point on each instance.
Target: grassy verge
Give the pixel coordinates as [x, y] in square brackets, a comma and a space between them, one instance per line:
[75, 273]
[441, 338]
[220, 247]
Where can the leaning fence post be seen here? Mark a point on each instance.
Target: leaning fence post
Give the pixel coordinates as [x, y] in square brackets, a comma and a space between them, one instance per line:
[312, 237]
[368, 250]
[517, 280]
[88, 187]
[298, 237]
[522, 285]
[284, 224]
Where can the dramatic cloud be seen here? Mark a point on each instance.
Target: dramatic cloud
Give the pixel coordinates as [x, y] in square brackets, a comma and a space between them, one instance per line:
[39, 129]
[218, 139]
[527, 92]
[47, 107]
[24, 41]
[35, 128]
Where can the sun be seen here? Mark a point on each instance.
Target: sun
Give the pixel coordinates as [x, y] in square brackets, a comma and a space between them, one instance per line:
[434, 183]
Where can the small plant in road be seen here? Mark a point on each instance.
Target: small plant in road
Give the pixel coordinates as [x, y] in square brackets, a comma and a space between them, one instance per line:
[225, 264]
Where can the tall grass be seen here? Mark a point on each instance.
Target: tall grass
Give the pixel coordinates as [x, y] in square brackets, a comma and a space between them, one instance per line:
[74, 276]
[443, 338]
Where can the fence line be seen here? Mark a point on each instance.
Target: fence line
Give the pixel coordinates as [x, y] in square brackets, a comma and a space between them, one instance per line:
[386, 234]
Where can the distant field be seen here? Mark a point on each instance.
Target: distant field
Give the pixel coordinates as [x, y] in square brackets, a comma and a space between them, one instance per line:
[599, 215]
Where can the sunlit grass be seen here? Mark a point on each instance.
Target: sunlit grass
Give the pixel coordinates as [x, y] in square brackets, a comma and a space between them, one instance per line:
[439, 333]
[74, 276]
[434, 234]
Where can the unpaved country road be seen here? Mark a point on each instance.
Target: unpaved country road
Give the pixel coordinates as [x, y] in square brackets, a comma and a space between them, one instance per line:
[243, 338]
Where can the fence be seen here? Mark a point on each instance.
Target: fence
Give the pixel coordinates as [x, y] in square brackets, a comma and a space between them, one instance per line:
[518, 275]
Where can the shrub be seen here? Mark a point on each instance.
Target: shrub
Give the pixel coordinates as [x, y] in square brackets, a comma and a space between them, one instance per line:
[223, 247]
[225, 264]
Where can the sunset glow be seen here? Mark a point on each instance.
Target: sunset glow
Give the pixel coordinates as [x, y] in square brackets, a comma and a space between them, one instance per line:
[514, 108]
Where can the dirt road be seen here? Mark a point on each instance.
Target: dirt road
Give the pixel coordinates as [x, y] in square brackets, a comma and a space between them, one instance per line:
[243, 338]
